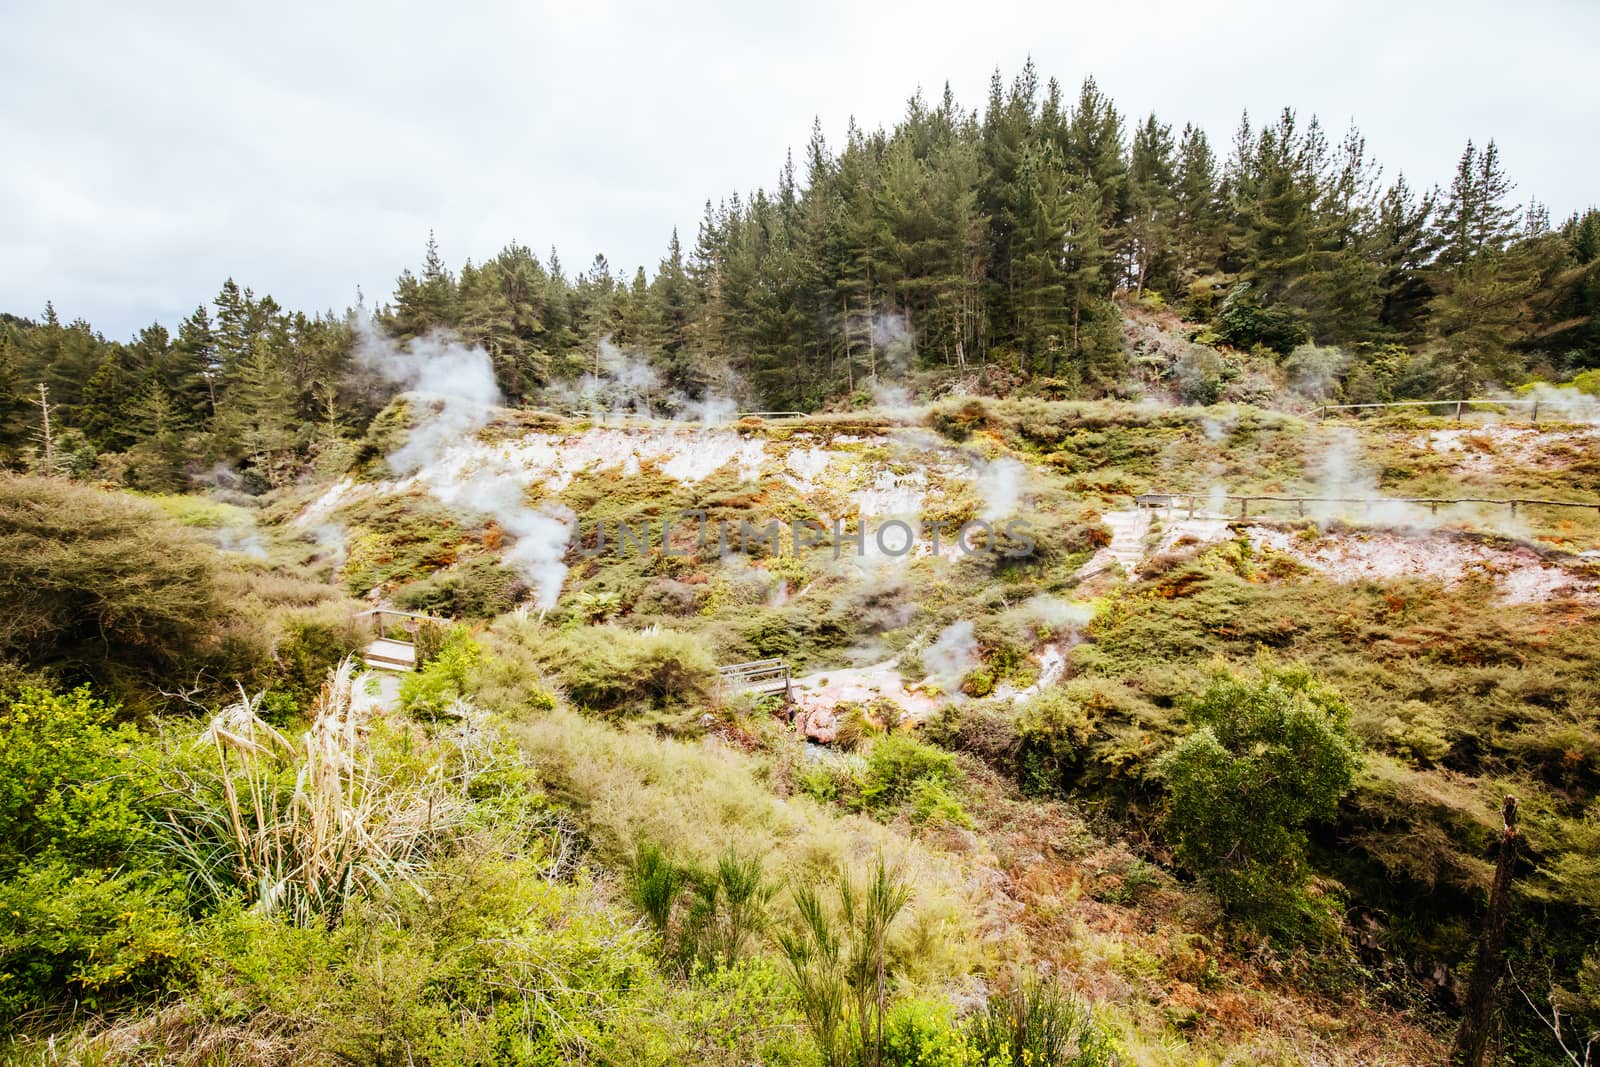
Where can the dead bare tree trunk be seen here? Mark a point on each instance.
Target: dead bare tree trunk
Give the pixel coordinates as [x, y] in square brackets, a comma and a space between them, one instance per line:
[1477, 1021]
[47, 437]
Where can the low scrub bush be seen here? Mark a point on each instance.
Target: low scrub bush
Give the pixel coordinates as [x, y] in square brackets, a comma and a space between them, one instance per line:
[87, 913]
[311, 642]
[438, 687]
[1243, 323]
[102, 584]
[985, 728]
[896, 766]
[1038, 1023]
[609, 668]
[1269, 755]
[479, 589]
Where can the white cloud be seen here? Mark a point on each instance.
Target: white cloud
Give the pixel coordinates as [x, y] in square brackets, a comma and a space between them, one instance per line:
[304, 151]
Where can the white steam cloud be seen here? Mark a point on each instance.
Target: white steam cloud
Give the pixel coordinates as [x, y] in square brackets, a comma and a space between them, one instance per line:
[953, 653]
[1057, 613]
[1565, 402]
[999, 483]
[454, 397]
[623, 383]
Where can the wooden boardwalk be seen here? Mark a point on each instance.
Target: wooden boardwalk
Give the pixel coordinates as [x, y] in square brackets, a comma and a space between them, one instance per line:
[766, 676]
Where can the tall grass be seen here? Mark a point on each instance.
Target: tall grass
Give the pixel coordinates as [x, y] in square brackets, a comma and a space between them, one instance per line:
[705, 917]
[1038, 1024]
[840, 966]
[301, 826]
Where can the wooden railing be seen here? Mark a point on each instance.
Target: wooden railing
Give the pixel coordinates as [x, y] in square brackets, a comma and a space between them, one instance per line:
[1458, 405]
[377, 615]
[626, 416]
[1193, 501]
[757, 676]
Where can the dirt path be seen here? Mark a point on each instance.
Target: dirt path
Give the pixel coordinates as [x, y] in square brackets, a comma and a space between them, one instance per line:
[377, 692]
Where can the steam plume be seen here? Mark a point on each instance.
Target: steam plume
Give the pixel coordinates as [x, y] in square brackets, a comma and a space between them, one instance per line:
[455, 397]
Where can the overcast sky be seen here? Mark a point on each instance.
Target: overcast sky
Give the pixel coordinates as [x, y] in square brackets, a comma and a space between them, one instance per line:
[151, 154]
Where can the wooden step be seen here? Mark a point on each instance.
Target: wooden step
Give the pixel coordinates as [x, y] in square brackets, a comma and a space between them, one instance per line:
[388, 655]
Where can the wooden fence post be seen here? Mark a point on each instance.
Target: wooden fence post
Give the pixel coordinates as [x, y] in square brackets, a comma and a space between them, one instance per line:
[1477, 1020]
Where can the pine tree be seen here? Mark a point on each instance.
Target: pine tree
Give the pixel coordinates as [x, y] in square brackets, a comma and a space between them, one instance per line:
[1340, 295]
[1476, 217]
[1276, 180]
[1093, 150]
[1152, 206]
[673, 297]
[1404, 246]
[13, 401]
[427, 303]
[196, 368]
[156, 460]
[233, 332]
[1197, 225]
[1482, 281]
[257, 413]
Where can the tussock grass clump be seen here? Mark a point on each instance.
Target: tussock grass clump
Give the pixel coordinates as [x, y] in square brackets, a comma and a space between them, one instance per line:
[302, 826]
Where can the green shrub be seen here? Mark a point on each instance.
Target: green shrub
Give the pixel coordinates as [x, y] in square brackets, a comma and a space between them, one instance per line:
[1038, 1023]
[933, 804]
[1199, 375]
[70, 787]
[978, 683]
[1052, 733]
[985, 728]
[923, 1033]
[897, 764]
[490, 959]
[430, 692]
[310, 643]
[101, 583]
[85, 910]
[1269, 755]
[478, 589]
[608, 668]
[957, 419]
[1242, 323]
[87, 935]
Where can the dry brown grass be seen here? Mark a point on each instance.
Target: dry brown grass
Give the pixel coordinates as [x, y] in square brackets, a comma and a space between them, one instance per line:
[302, 825]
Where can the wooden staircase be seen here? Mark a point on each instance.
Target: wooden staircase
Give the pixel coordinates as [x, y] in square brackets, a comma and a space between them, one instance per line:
[395, 653]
